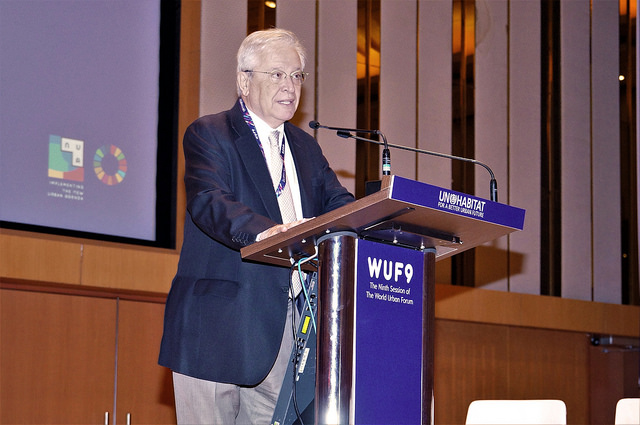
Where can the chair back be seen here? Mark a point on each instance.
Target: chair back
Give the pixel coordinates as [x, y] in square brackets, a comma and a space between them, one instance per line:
[516, 412]
[628, 411]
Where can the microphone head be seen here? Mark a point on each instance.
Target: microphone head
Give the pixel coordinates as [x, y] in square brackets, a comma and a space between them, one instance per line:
[314, 124]
[344, 134]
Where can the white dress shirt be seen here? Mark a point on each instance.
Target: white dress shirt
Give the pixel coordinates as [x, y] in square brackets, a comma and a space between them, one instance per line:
[264, 130]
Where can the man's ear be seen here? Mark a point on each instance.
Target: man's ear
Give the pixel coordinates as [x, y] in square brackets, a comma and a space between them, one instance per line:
[243, 82]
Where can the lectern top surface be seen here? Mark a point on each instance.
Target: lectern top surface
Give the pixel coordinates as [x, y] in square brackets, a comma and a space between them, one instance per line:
[405, 213]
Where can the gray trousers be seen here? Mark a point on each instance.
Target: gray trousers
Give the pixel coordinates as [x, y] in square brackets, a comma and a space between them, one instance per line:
[207, 402]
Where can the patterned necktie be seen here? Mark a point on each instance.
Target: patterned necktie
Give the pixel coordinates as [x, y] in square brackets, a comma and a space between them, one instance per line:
[276, 168]
[285, 197]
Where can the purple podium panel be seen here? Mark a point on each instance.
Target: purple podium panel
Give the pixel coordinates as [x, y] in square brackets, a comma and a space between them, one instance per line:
[388, 334]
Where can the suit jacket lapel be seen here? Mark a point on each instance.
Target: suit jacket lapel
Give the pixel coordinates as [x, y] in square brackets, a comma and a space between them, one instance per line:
[253, 160]
[303, 170]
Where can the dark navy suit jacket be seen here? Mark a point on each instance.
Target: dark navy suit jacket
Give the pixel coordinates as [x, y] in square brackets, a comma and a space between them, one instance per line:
[225, 317]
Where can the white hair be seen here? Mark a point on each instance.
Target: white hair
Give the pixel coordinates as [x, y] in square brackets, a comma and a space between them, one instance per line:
[258, 42]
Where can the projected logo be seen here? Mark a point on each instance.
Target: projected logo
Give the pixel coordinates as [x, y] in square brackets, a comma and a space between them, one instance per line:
[110, 165]
[66, 158]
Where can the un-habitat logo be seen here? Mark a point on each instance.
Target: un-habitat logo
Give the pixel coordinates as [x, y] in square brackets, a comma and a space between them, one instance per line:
[462, 204]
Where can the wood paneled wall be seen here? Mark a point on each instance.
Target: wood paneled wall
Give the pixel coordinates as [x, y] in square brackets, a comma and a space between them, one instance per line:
[495, 345]
[490, 344]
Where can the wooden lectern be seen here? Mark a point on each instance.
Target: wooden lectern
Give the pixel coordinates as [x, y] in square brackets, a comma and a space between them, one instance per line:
[375, 290]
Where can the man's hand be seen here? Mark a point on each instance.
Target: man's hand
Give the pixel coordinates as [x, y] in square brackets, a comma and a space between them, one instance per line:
[279, 228]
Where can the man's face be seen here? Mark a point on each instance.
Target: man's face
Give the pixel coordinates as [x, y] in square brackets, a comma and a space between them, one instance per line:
[274, 102]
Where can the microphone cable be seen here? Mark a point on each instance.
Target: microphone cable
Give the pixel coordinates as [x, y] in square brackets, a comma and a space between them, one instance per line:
[296, 267]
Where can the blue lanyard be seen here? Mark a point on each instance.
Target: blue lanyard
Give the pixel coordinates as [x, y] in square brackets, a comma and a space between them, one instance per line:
[249, 121]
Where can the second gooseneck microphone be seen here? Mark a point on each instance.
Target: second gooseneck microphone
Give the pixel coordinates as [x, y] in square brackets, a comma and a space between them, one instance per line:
[386, 154]
[346, 133]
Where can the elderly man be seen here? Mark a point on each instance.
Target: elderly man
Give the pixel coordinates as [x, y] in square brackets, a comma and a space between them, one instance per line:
[249, 174]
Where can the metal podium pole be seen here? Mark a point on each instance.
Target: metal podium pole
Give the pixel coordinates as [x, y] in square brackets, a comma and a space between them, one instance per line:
[336, 277]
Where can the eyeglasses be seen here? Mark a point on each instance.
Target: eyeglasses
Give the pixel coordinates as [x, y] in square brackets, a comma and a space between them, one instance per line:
[278, 76]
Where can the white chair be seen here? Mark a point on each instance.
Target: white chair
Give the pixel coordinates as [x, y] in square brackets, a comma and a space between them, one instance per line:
[628, 411]
[517, 412]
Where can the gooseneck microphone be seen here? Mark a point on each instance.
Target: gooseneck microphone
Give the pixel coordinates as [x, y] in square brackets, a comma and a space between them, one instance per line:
[315, 125]
[346, 134]
[386, 154]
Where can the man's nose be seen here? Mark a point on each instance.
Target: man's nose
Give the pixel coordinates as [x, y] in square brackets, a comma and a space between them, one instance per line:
[288, 83]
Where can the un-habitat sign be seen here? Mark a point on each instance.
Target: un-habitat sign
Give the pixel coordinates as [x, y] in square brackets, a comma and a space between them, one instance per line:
[388, 334]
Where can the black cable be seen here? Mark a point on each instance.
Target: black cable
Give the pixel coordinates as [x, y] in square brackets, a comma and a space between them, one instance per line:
[294, 330]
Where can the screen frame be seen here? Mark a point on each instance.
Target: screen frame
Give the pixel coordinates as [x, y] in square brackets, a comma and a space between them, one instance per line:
[167, 144]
